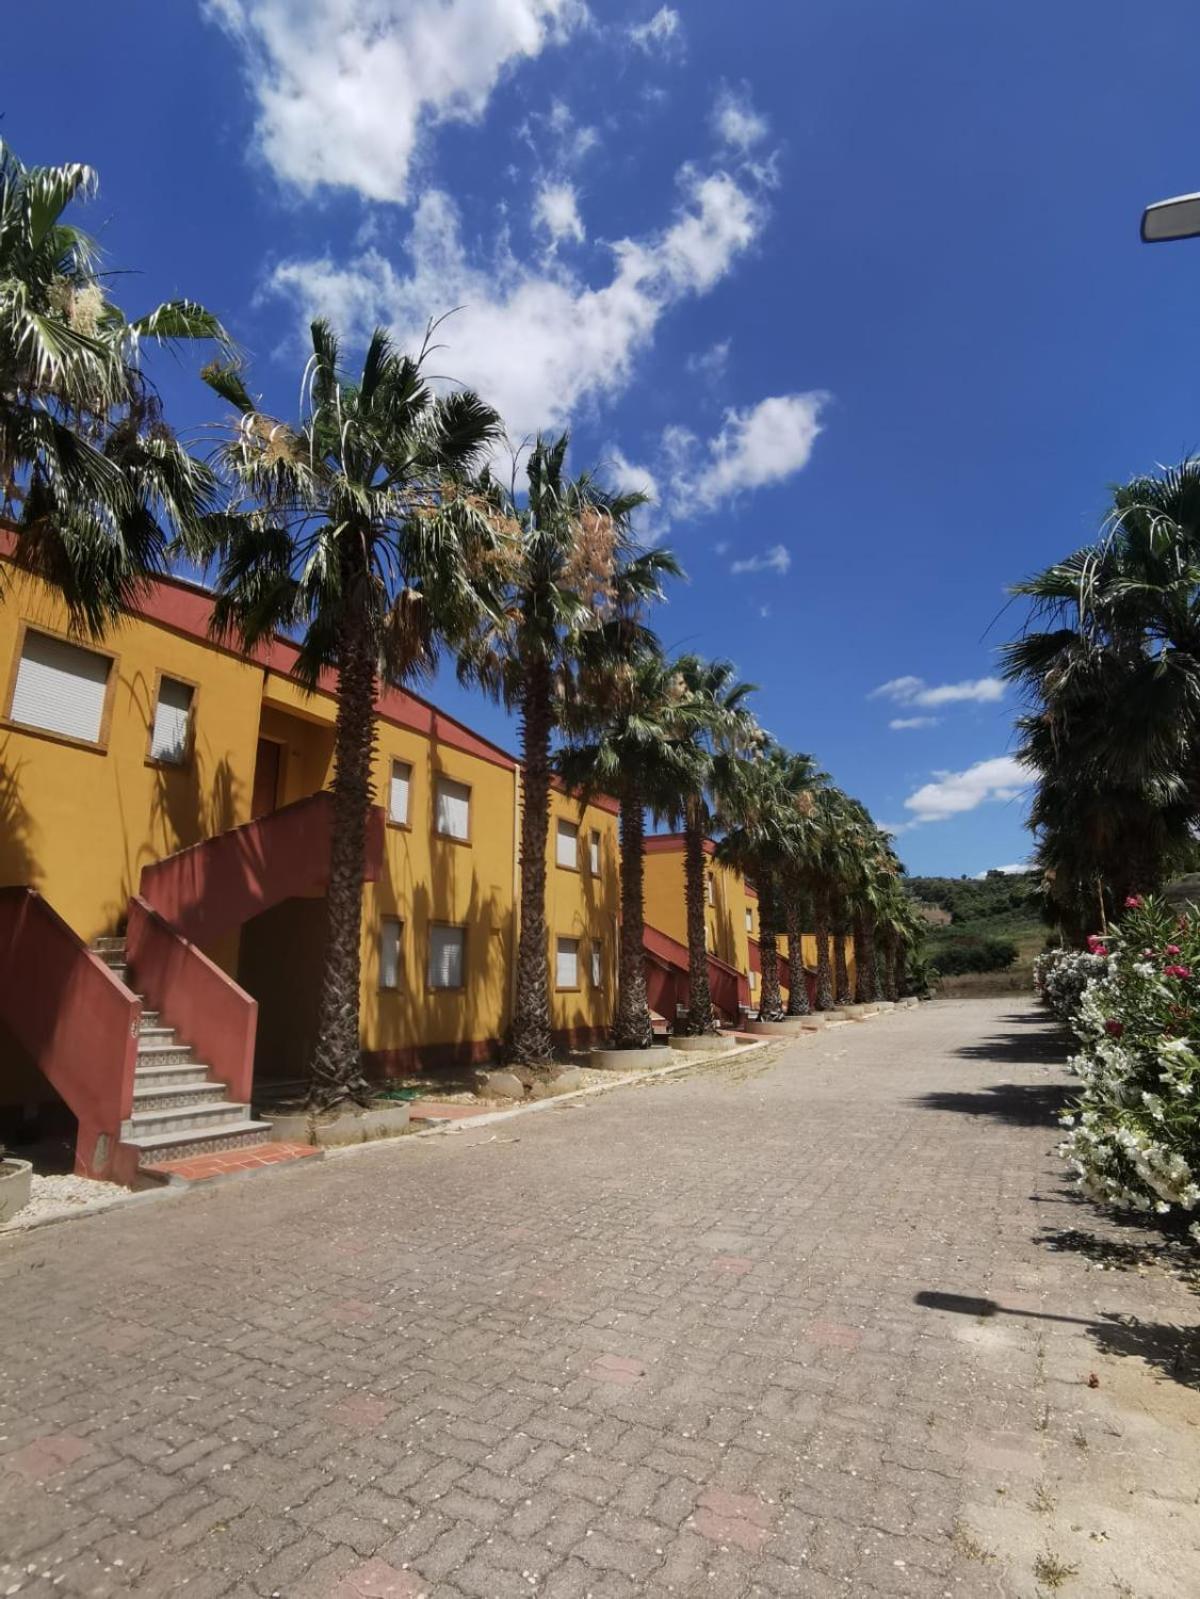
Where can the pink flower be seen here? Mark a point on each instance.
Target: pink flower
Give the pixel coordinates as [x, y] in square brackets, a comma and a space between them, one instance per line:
[1096, 944]
[1134, 902]
[1172, 949]
[1114, 1029]
[1177, 971]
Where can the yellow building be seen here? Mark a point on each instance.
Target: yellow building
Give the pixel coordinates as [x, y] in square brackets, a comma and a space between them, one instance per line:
[731, 915]
[163, 775]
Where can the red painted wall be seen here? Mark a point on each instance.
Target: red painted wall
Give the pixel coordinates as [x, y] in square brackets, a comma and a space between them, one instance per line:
[77, 1022]
[206, 1007]
[209, 890]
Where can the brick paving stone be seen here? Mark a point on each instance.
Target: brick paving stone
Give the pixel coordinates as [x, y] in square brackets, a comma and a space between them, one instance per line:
[696, 1338]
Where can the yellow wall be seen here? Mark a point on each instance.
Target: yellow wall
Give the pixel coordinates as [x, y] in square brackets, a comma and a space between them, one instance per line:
[80, 823]
[584, 907]
[428, 879]
[724, 911]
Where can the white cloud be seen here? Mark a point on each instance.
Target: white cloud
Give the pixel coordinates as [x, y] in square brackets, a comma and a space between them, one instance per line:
[900, 724]
[538, 342]
[709, 364]
[346, 88]
[556, 208]
[1016, 870]
[661, 32]
[763, 444]
[776, 559]
[915, 691]
[738, 125]
[721, 547]
[955, 793]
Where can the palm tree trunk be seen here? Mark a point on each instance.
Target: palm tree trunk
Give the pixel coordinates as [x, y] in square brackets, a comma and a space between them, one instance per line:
[798, 989]
[700, 1016]
[891, 966]
[770, 998]
[824, 970]
[870, 963]
[841, 972]
[860, 963]
[336, 1070]
[632, 1028]
[531, 1043]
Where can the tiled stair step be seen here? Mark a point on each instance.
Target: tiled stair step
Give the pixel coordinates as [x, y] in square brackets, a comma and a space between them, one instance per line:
[174, 1096]
[178, 1146]
[155, 1054]
[109, 946]
[149, 1022]
[196, 1119]
[151, 1033]
[170, 1075]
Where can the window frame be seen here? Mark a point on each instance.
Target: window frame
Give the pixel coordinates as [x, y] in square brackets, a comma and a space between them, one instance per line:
[595, 853]
[442, 988]
[749, 919]
[190, 747]
[400, 986]
[559, 823]
[596, 958]
[100, 746]
[453, 838]
[567, 938]
[405, 826]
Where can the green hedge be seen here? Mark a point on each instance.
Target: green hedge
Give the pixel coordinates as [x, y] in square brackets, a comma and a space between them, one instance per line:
[975, 955]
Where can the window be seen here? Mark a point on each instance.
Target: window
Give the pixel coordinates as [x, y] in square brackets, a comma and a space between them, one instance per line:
[597, 963]
[566, 963]
[708, 887]
[453, 818]
[446, 947]
[171, 732]
[749, 921]
[566, 845]
[61, 688]
[754, 982]
[398, 792]
[391, 935]
[594, 853]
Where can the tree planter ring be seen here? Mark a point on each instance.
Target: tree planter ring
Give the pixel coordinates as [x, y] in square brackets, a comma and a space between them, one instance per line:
[16, 1184]
[628, 1060]
[346, 1127]
[702, 1043]
[789, 1027]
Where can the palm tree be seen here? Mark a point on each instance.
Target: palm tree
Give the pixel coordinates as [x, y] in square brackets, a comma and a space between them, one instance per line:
[1111, 666]
[93, 480]
[767, 837]
[571, 564]
[358, 531]
[723, 728]
[632, 725]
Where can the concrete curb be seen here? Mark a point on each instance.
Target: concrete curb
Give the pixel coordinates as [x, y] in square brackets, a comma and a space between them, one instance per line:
[532, 1107]
[94, 1207]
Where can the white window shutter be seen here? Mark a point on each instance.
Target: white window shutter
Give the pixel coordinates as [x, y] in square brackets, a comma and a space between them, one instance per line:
[453, 809]
[597, 964]
[566, 964]
[399, 792]
[594, 850]
[749, 921]
[60, 687]
[567, 844]
[446, 957]
[753, 982]
[389, 953]
[172, 722]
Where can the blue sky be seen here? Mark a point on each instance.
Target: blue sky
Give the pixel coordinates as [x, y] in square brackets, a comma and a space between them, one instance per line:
[855, 286]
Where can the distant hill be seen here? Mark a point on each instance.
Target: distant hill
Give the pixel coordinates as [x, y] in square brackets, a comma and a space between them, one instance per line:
[1001, 906]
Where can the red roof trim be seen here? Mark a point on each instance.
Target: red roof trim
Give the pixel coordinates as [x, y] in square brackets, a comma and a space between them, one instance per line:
[672, 843]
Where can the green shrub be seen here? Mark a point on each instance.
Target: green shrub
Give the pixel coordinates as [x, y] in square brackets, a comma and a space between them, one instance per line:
[975, 955]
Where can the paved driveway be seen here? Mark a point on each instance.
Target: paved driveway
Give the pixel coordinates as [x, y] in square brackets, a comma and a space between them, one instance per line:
[812, 1327]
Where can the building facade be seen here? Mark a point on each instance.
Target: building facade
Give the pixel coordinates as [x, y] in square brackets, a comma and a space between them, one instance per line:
[162, 774]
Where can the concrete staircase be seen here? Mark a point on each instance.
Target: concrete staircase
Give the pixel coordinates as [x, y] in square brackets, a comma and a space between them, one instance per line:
[179, 1110]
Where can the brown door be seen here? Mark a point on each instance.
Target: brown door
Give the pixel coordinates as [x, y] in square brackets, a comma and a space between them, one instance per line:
[266, 779]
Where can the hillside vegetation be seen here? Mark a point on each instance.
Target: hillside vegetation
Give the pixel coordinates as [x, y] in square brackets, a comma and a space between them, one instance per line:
[996, 921]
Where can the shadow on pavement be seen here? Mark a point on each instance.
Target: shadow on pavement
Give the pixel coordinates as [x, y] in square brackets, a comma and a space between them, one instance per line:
[1171, 1349]
[1026, 1048]
[1018, 1104]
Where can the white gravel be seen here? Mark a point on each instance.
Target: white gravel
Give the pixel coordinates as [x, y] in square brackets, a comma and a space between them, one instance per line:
[63, 1196]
